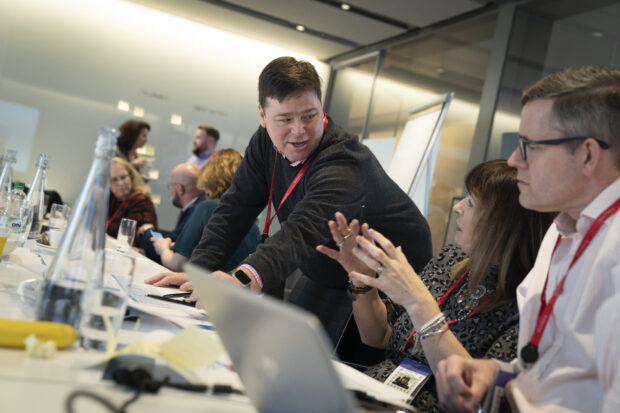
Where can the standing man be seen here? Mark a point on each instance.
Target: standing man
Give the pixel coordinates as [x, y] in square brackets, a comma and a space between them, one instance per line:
[205, 141]
[185, 195]
[568, 160]
[305, 167]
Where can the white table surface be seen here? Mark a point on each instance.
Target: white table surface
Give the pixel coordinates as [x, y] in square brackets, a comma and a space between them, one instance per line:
[33, 385]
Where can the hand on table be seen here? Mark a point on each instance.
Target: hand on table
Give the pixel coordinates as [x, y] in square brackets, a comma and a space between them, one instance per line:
[168, 278]
[462, 382]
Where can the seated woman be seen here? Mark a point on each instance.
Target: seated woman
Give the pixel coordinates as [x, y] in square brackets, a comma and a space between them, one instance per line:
[133, 135]
[458, 305]
[215, 178]
[129, 198]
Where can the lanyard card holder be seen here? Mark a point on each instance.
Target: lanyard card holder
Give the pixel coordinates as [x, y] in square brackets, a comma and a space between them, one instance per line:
[409, 377]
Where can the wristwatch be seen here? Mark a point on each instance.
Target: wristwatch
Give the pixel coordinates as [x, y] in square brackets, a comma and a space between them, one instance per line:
[243, 278]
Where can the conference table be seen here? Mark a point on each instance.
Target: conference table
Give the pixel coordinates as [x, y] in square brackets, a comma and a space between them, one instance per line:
[42, 385]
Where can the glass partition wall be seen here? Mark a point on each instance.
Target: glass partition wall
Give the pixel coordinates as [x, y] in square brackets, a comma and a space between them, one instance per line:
[412, 75]
[372, 92]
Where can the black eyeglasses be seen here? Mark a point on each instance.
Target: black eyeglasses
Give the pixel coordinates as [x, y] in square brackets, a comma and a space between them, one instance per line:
[523, 142]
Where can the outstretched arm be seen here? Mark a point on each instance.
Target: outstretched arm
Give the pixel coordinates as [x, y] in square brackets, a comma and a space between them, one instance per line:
[400, 282]
[368, 308]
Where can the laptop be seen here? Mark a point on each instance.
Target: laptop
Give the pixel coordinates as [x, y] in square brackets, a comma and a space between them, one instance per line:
[280, 352]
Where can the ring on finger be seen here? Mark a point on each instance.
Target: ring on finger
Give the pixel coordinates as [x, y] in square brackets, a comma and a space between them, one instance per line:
[379, 270]
[347, 236]
[340, 244]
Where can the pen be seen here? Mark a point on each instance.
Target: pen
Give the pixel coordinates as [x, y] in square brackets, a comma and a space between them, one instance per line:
[173, 300]
[179, 295]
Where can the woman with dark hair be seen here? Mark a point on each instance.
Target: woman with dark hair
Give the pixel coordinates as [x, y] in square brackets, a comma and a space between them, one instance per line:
[215, 178]
[130, 198]
[133, 135]
[457, 305]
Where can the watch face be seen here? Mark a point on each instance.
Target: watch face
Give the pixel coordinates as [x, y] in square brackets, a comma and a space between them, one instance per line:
[243, 278]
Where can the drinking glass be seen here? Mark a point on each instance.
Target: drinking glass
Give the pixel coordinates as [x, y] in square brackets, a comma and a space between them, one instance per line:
[126, 233]
[59, 214]
[107, 300]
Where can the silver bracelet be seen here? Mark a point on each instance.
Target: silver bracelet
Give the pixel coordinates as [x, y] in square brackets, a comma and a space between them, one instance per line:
[432, 327]
[442, 329]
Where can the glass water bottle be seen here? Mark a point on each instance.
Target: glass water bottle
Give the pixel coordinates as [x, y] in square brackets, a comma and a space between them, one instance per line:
[80, 255]
[36, 197]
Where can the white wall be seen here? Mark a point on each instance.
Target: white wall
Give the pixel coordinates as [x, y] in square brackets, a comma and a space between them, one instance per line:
[74, 59]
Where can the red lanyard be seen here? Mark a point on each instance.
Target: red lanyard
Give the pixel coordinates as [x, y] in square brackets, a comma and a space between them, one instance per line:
[529, 353]
[292, 186]
[439, 302]
[120, 207]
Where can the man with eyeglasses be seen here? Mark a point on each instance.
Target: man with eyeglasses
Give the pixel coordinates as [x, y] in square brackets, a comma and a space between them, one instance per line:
[185, 195]
[568, 160]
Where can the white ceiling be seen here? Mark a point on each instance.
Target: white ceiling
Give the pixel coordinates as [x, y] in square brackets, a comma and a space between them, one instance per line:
[344, 30]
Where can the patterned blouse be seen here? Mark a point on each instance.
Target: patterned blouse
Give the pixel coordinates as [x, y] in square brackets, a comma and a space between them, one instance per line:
[484, 335]
[138, 207]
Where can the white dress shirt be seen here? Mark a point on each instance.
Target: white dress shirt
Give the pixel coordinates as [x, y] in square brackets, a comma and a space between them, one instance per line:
[567, 376]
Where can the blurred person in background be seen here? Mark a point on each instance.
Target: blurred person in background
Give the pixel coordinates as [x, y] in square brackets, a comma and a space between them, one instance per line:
[130, 198]
[214, 180]
[133, 135]
[205, 141]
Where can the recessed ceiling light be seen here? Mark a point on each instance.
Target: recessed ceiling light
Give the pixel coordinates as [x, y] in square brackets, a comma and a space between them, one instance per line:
[123, 105]
[597, 34]
[138, 111]
[300, 28]
[176, 119]
[345, 6]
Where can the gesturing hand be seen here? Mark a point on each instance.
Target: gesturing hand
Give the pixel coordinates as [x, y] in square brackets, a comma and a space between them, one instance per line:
[344, 236]
[395, 276]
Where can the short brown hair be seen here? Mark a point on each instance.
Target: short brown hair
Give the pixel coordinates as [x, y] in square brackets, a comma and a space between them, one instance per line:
[137, 183]
[508, 235]
[218, 172]
[129, 132]
[211, 131]
[586, 103]
[287, 76]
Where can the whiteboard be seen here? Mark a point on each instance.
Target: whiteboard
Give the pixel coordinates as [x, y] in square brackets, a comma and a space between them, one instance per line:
[415, 154]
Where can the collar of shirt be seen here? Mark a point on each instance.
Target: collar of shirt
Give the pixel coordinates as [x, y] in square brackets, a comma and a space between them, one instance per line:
[291, 163]
[189, 204]
[568, 226]
[205, 154]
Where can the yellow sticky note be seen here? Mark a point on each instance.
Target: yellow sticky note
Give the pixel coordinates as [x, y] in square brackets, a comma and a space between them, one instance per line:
[192, 348]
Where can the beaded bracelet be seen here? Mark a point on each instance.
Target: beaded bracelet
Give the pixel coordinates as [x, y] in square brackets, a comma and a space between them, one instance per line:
[352, 290]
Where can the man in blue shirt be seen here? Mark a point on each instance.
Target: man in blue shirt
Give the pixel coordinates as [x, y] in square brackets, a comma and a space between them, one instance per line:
[205, 141]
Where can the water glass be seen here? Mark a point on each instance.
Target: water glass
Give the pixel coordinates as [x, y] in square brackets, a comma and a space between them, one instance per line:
[59, 214]
[107, 300]
[126, 234]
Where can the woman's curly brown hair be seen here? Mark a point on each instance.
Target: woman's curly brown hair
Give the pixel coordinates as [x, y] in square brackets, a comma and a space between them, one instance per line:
[216, 176]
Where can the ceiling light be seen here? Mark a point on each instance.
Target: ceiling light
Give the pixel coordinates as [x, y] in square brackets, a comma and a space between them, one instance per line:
[176, 119]
[300, 27]
[345, 6]
[138, 111]
[123, 105]
[597, 34]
